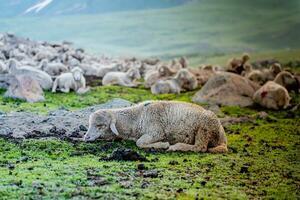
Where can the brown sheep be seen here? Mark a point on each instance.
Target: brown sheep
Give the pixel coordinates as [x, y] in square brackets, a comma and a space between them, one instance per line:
[236, 65]
[287, 80]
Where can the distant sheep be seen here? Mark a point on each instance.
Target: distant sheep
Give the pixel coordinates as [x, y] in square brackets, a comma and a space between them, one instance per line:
[287, 80]
[73, 80]
[53, 69]
[272, 96]
[174, 126]
[153, 76]
[110, 68]
[184, 80]
[127, 79]
[236, 65]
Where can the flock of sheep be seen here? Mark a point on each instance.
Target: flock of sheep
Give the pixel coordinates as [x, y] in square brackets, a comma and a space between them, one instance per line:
[60, 67]
[174, 126]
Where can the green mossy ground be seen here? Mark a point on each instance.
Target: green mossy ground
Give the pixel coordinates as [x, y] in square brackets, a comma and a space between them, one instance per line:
[263, 162]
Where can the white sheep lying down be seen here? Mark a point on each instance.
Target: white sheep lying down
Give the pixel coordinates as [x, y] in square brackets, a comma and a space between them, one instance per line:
[175, 126]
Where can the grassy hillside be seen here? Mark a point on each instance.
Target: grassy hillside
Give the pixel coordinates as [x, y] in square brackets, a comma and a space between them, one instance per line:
[201, 29]
[263, 161]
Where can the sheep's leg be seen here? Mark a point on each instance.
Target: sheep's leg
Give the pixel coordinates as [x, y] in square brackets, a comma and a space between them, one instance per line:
[65, 90]
[148, 141]
[218, 149]
[201, 143]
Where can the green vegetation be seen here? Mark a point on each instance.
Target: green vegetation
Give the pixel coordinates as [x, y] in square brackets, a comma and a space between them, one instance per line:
[263, 162]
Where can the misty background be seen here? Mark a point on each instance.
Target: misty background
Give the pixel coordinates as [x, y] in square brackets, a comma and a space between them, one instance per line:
[198, 29]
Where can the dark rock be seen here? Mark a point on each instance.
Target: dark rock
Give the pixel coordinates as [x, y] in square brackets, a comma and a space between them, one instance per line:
[121, 154]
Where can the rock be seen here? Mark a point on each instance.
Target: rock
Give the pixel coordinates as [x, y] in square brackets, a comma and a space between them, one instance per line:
[25, 88]
[227, 89]
[121, 154]
[272, 95]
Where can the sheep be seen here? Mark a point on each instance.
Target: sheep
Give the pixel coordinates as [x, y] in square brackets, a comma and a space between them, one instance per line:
[272, 72]
[110, 68]
[170, 125]
[184, 80]
[236, 65]
[153, 76]
[42, 77]
[183, 61]
[256, 76]
[73, 80]
[122, 78]
[272, 95]
[53, 69]
[287, 80]
[3, 68]
[203, 74]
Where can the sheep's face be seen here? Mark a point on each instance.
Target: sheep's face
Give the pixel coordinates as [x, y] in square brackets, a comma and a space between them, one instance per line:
[77, 73]
[102, 125]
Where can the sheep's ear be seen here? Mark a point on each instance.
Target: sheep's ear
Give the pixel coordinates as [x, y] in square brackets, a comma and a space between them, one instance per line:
[113, 127]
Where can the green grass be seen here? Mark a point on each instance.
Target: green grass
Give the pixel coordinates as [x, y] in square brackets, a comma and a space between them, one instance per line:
[263, 162]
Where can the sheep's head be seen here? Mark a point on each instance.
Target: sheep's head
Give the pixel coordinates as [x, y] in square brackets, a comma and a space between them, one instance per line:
[134, 73]
[12, 65]
[44, 64]
[275, 68]
[77, 73]
[102, 125]
[245, 57]
[164, 71]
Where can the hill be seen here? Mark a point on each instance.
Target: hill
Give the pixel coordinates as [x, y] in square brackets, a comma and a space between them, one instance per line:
[200, 29]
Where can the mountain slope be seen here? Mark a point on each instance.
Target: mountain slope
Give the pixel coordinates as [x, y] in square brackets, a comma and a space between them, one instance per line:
[68, 7]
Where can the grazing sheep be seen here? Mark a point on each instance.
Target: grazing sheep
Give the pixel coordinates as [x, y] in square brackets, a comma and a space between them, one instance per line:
[236, 65]
[287, 80]
[153, 76]
[53, 69]
[175, 126]
[110, 68]
[42, 77]
[73, 80]
[272, 96]
[122, 78]
[184, 80]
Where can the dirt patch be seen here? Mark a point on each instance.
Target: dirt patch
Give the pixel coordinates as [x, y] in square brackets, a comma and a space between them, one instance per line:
[121, 154]
[61, 123]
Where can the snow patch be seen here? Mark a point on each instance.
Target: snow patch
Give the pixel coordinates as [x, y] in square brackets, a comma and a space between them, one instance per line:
[39, 6]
